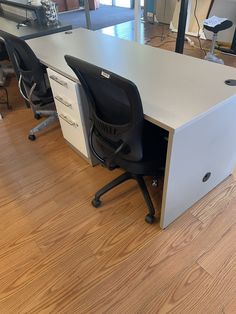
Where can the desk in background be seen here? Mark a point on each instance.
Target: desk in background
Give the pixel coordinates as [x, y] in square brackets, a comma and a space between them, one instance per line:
[25, 9]
[183, 95]
[32, 31]
[22, 10]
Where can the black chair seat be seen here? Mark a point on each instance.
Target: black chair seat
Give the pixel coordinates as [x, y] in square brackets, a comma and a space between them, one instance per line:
[143, 167]
[154, 155]
[221, 27]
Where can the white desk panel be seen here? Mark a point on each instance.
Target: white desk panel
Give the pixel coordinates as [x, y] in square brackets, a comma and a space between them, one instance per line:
[174, 88]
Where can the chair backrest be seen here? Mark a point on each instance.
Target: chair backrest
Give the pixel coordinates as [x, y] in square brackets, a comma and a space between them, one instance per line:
[25, 63]
[115, 110]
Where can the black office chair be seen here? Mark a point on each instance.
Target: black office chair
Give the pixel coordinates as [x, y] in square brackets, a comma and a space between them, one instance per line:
[32, 80]
[119, 136]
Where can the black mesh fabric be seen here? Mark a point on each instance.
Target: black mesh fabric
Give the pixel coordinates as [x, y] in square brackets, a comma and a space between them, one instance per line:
[111, 102]
[115, 109]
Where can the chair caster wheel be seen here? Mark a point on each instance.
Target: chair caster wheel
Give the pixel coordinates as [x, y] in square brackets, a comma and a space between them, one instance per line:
[37, 116]
[96, 203]
[150, 219]
[32, 137]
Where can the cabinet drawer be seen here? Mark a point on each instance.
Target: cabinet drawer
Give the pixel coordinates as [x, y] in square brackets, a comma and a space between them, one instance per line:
[63, 87]
[66, 109]
[73, 132]
[66, 106]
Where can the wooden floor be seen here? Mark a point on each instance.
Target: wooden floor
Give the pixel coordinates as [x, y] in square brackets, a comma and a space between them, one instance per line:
[58, 254]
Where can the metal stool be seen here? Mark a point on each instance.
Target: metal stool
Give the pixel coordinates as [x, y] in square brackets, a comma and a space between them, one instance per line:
[221, 27]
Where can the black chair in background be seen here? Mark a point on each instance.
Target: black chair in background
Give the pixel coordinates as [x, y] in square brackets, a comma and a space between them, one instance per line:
[32, 80]
[119, 136]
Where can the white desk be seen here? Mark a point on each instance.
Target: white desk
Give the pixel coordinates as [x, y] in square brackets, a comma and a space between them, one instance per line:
[181, 94]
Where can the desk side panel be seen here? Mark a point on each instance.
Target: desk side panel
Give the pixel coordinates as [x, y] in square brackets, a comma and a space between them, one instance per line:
[208, 145]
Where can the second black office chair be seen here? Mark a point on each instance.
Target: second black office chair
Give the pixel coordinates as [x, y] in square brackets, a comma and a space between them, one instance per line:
[32, 81]
[119, 136]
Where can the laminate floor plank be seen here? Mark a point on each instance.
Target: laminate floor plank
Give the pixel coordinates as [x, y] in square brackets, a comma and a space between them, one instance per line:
[230, 307]
[214, 260]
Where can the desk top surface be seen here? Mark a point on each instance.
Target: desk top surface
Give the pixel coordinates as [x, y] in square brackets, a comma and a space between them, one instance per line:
[28, 32]
[175, 89]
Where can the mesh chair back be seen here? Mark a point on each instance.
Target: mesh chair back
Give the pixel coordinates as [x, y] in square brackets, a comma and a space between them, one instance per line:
[25, 63]
[115, 109]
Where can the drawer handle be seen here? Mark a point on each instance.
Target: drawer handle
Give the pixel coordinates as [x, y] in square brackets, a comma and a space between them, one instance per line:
[65, 103]
[56, 79]
[70, 122]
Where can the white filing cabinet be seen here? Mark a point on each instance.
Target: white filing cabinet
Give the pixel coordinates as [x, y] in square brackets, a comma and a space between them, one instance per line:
[68, 105]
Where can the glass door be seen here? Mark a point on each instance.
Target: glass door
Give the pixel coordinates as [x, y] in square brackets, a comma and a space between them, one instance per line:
[122, 3]
[106, 2]
[118, 3]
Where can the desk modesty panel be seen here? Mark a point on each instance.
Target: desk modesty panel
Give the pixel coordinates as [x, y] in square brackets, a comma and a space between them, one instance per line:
[186, 96]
